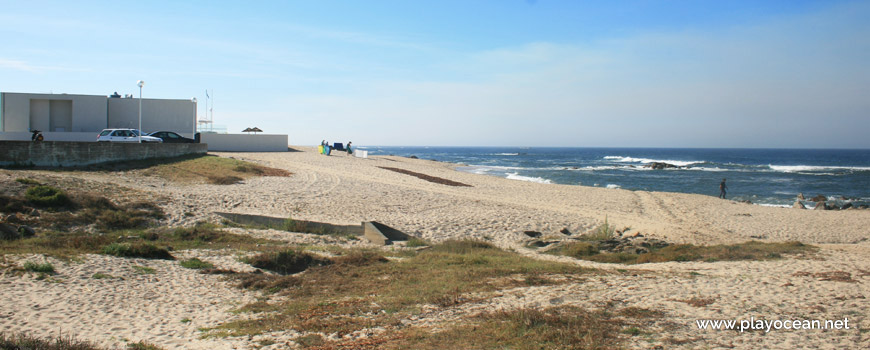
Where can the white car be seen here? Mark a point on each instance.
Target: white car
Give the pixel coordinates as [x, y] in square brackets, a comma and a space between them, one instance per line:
[124, 135]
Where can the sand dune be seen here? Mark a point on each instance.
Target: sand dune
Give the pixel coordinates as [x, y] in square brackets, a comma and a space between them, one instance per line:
[347, 190]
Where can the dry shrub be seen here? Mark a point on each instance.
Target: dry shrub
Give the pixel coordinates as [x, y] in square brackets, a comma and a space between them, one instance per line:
[580, 249]
[697, 301]
[286, 262]
[836, 276]
[138, 250]
[360, 258]
[224, 180]
[266, 282]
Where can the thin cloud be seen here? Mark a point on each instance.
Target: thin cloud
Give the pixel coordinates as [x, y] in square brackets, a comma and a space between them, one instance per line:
[33, 68]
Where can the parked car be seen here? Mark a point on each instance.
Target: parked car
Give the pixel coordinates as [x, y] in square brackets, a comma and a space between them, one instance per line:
[124, 135]
[171, 137]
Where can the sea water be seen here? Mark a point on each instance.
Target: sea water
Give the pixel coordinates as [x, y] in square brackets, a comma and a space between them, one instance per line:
[771, 177]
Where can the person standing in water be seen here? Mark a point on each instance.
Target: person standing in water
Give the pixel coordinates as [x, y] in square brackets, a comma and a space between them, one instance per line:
[722, 188]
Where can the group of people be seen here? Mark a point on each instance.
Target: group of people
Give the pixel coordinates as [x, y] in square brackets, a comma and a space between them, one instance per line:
[347, 148]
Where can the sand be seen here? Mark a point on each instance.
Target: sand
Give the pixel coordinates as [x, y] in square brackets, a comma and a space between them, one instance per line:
[346, 190]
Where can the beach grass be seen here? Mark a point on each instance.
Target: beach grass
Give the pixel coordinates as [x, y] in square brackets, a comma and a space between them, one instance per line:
[361, 289]
[751, 250]
[137, 250]
[196, 264]
[37, 267]
[211, 169]
[551, 328]
[25, 341]
[130, 243]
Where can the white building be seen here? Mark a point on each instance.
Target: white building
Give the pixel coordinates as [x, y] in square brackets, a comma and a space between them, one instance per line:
[64, 117]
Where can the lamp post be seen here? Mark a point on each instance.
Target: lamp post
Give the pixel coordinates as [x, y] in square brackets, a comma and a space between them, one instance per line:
[193, 136]
[140, 83]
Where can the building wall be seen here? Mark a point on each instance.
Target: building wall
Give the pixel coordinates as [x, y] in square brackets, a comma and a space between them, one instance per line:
[50, 112]
[245, 142]
[66, 154]
[86, 113]
[157, 114]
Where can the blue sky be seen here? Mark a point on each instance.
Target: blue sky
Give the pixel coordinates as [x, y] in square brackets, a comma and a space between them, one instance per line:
[470, 73]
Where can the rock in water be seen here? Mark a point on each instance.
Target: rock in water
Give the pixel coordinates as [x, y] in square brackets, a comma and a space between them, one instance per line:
[798, 205]
[659, 166]
[819, 198]
[821, 206]
[800, 196]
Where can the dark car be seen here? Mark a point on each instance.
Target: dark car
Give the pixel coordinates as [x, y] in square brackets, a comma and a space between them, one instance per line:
[171, 137]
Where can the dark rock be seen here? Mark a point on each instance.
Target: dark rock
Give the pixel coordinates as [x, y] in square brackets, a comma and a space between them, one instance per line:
[565, 231]
[26, 231]
[659, 166]
[533, 234]
[8, 232]
[746, 201]
[863, 206]
[634, 250]
[34, 212]
[540, 244]
[413, 157]
[12, 219]
[819, 198]
[798, 205]
[821, 206]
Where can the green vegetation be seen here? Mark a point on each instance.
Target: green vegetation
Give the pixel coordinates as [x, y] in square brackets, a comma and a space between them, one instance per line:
[137, 250]
[286, 262]
[36, 267]
[27, 181]
[602, 233]
[751, 250]
[196, 264]
[46, 196]
[23, 341]
[211, 169]
[144, 270]
[65, 245]
[100, 276]
[363, 289]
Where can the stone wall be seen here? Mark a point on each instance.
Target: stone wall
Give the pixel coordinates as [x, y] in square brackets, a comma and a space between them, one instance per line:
[67, 154]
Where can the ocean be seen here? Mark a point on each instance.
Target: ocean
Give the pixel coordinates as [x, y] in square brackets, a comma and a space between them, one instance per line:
[771, 177]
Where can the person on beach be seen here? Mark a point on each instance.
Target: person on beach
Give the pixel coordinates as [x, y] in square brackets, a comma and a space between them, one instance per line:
[722, 188]
[349, 151]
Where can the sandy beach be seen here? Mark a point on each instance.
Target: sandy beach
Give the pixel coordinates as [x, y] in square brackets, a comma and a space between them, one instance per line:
[168, 307]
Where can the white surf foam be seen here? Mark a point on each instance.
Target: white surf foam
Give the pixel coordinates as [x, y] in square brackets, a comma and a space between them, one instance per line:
[516, 176]
[612, 186]
[622, 159]
[813, 168]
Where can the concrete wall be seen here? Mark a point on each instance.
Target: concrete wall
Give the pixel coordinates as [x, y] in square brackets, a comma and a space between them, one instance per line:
[51, 136]
[245, 142]
[68, 154]
[50, 112]
[157, 114]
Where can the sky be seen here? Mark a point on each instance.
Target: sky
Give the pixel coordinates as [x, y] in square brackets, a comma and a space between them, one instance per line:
[731, 74]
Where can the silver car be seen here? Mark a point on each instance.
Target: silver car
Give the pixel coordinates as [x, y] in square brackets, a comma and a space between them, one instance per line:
[124, 135]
